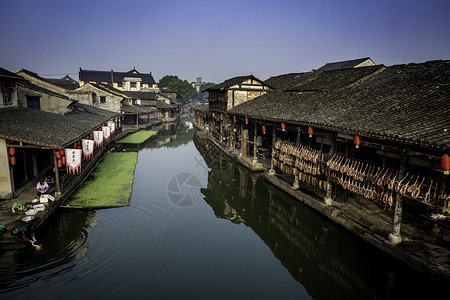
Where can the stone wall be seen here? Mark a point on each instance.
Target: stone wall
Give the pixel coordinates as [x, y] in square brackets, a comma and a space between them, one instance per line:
[5, 179]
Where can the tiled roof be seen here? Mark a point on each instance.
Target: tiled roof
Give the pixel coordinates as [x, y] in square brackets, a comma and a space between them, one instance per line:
[140, 95]
[34, 87]
[105, 76]
[66, 82]
[201, 107]
[46, 129]
[284, 81]
[404, 103]
[333, 80]
[232, 81]
[95, 110]
[162, 104]
[343, 64]
[7, 74]
[136, 109]
[109, 89]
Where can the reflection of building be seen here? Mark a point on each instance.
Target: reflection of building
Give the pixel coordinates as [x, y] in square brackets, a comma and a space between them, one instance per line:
[124, 81]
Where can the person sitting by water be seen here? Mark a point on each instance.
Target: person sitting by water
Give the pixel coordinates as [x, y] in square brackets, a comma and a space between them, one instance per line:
[41, 188]
[22, 233]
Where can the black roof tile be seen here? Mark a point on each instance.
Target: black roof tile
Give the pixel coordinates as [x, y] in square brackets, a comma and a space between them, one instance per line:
[47, 129]
[105, 76]
[407, 103]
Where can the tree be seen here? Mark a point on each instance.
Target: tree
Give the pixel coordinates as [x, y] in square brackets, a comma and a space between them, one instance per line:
[185, 91]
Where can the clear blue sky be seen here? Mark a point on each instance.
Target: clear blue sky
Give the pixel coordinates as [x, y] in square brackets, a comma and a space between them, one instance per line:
[218, 40]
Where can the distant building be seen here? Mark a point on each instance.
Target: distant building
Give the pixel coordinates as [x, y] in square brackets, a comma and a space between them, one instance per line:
[197, 84]
[124, 81]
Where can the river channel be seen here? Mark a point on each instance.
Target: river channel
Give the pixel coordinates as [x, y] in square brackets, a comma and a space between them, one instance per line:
[200, 226]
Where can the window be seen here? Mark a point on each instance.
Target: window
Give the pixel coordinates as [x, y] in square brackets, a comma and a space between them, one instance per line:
[34, 102]
[8, 95]
[94, 97]
[133, 84]
[102, 99]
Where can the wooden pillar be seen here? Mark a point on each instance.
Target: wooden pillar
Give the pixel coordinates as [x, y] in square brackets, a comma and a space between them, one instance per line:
[296, 184]
[274, 138]
[395, 237]
[244, 143]
[255, 145]
[220, 130]
[58, 187]
[328, 197]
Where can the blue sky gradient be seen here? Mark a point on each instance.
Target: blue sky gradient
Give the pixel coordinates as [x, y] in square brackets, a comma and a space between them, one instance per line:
[218, 40]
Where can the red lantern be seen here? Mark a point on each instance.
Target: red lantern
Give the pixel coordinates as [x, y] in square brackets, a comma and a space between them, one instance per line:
[63, 159]
[283, 126]
[59, 163]
[246, 120]
[75, 145]
[357, 141]
[445, 164]
[61, 151]
[12, 161]
[310, 131]
[123, 117]
[221, 116]
[234, 118]
[12, 151]
[264, 129]
[58, 155]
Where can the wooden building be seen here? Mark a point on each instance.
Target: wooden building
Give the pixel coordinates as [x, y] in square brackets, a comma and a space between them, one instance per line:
[376, 133]
[34, 125]
[235, 91]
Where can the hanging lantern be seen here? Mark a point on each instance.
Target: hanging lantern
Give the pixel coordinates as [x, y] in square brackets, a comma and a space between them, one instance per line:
[445, 164]
[221, 116]
[264, 129]
[357, 141]
[246, 120]
[123, 117]
[63, 159]
[58, 155]
[283, 126]
[61, 151]
[234, 118]
[60, 163]
[310, 131]
[12, 160]
[12, 151]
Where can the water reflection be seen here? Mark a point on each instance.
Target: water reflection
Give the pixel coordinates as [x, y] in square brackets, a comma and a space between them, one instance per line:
[328, 261]
[63, 248]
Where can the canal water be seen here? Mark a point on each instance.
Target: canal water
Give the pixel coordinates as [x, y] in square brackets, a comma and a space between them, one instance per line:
[202, 227]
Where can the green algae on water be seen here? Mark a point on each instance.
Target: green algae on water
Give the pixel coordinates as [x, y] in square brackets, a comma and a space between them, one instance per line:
[137, 137]
[109, 184]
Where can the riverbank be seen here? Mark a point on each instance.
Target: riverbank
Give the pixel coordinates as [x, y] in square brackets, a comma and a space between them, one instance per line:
[366, 219]
[28, 193]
